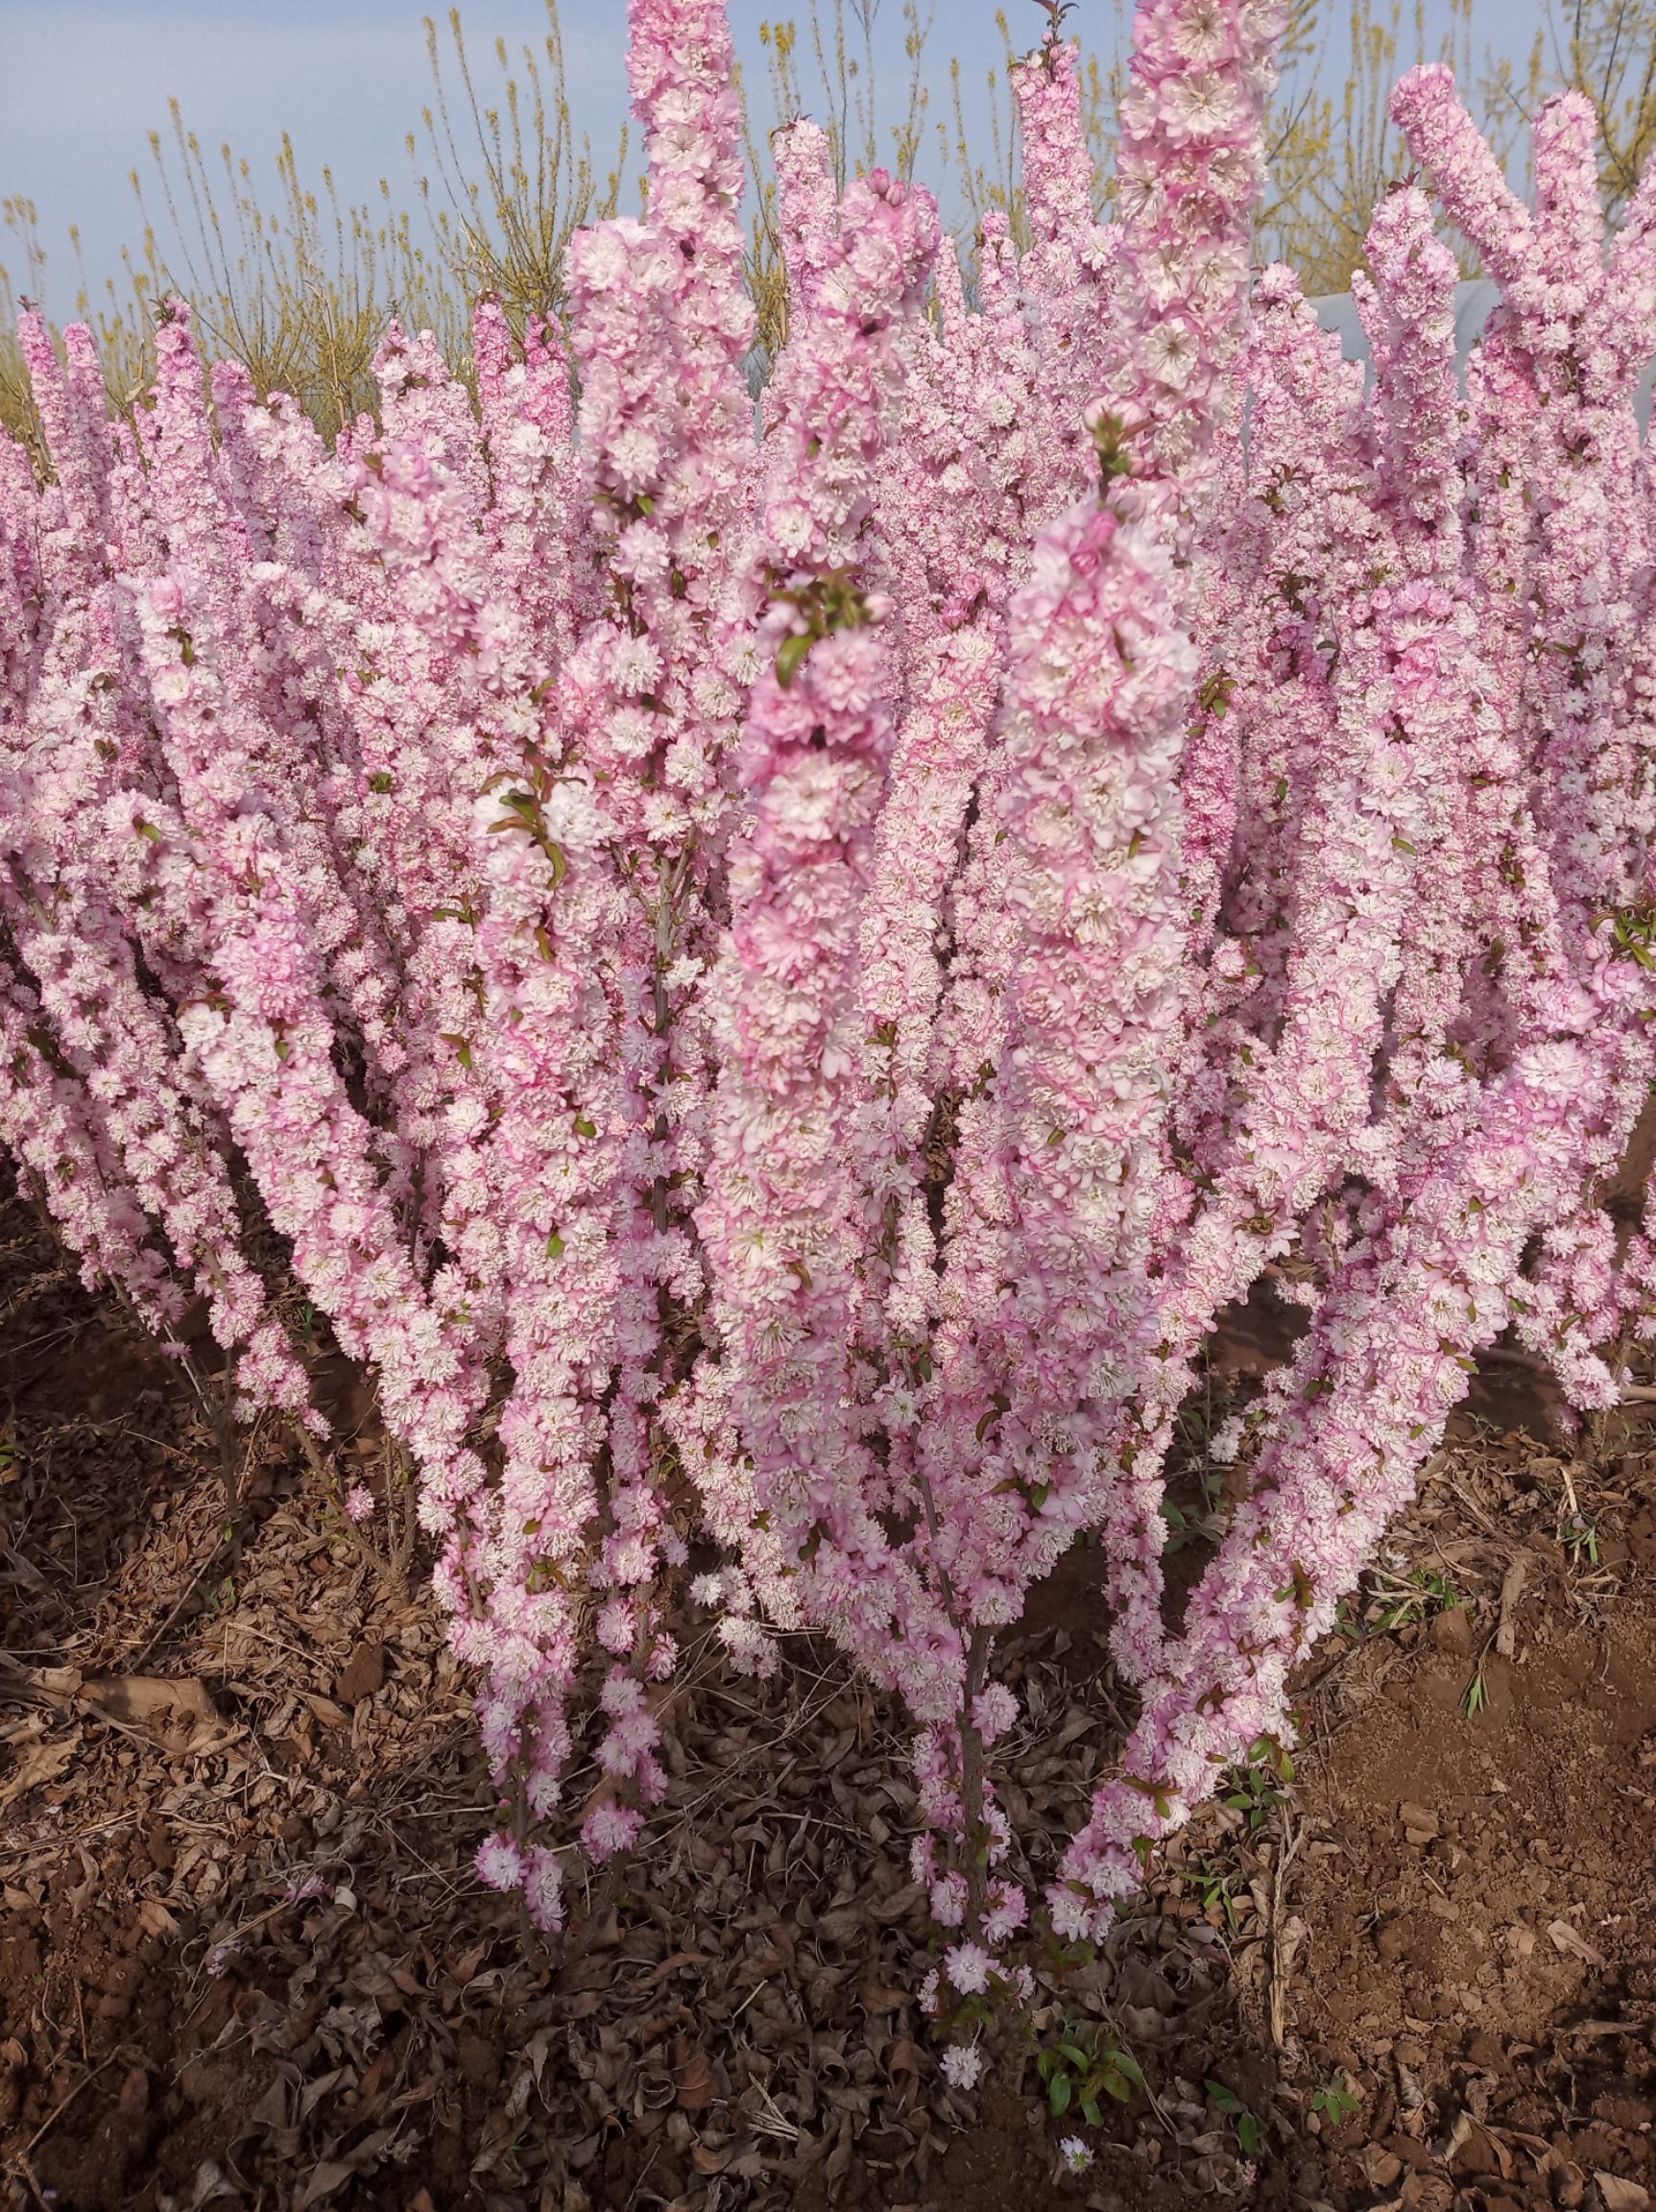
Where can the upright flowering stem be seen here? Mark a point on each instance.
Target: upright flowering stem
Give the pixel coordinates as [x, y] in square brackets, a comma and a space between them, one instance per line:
[1287, 551]
[1576, 561]
[537, 521]
[1189, 171]
[1388, 1356]
[808, 209]
[1069, 271]
[1089, 806]
[779, 1220]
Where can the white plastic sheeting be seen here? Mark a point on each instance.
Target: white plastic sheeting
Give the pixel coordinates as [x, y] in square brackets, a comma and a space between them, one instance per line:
[1474, 303]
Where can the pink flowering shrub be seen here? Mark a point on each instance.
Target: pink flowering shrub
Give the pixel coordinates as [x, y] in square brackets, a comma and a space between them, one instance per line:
[772, 968]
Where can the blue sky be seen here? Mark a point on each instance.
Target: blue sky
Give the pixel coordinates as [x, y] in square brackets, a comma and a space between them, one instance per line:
[84, 82]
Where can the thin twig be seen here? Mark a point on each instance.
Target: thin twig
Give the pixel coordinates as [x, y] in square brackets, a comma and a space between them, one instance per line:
[1511, 1591]
[201, 1580]
[1287, 1847]
[52, 2118]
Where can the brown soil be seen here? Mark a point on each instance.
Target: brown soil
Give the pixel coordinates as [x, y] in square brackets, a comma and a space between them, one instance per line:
[244, 1961]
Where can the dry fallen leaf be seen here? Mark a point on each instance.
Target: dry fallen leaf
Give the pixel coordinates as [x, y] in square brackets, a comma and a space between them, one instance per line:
[1621, 2196]
[148, 1699]
[877, 1998]
[364, 1673]
[271, 2112]
[326, 2179]
[902, 2059]
[180, 1714]
[210, 2185]
[43, 1763]
[1565, 1939]
[53, 1684]
[839, 2158]
[372, 2148]
[886, 1910]
[693, 2082]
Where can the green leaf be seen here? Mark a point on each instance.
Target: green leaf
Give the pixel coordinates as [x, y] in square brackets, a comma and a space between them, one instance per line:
[1060, 2095]
[791, 658]
[584, 1127]
[1224, 2100]
[1091, 2113]
[1125, 2063]
[998, 1405]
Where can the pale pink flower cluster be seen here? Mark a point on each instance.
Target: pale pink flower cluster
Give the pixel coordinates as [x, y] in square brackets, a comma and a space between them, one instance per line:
[781, 1219]
[771, 967]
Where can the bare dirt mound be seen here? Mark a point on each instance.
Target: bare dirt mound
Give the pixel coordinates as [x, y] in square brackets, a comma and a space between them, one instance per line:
[1478, 1894]
[244, 1961]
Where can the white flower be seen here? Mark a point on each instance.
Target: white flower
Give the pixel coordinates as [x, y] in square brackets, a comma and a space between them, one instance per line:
[949, 1900]
[967, 1967]
[1199, 33]
[1075, 2154]
[499, 1863]
[171, 686]
[962, 2064]
[635, 666]
[1170, 353]
[1226, 1442]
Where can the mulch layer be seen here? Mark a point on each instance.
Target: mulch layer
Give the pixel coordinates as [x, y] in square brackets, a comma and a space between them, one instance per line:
[244, 1961]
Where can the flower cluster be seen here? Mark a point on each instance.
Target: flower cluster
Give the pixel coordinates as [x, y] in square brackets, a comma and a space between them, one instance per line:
[772, 964]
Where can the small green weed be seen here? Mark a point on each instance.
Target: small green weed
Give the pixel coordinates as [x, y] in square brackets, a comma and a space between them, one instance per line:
[1388, 1602]
[1406, 1604]
[1084, 2065]
[1337, 2102]
[1260, 1787]
[1580, 1539]
[1215, 1883]
[1249, 2134]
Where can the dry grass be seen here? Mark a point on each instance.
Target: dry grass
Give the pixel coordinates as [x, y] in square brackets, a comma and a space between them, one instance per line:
[299, 286]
